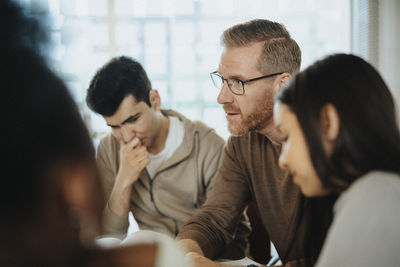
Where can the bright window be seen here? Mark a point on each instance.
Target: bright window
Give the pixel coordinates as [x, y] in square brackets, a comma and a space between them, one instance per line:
[177, 41]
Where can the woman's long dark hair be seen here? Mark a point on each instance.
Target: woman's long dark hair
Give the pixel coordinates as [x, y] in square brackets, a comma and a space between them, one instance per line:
[368, 138]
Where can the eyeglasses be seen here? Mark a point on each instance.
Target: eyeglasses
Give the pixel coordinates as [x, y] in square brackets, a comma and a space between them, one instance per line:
[235, 85]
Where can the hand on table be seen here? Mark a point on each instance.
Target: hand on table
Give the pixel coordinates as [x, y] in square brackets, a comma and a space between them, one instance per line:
[201, 261]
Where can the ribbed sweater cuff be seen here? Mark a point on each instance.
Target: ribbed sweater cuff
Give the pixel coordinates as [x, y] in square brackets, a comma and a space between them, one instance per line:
[114, 224]
[201, 240]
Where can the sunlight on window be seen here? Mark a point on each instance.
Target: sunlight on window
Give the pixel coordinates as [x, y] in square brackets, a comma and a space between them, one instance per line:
[178, 43]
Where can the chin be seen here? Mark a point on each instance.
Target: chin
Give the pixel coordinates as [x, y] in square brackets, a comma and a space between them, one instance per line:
[308, 192]
[237, 131]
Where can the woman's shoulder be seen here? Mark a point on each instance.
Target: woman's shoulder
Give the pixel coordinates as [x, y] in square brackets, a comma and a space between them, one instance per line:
[371, 191]
[375, 182]
[366, 219]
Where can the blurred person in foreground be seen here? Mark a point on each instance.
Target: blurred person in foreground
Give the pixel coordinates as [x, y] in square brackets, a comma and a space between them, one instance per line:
[259, 57]
[155, 163]
[51, 199]
[341, 137]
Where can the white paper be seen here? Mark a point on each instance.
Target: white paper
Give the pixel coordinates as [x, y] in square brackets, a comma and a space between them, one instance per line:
[242, 262]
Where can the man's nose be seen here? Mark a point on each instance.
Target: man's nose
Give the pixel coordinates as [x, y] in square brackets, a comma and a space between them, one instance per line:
[127, 134]
[225, 95]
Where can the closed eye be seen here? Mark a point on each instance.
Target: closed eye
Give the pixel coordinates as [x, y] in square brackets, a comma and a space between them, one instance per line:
[133, 118]
[130, 119]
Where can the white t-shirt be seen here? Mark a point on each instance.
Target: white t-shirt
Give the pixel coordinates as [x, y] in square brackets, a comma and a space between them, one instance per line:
[366, 227]
[174, 140]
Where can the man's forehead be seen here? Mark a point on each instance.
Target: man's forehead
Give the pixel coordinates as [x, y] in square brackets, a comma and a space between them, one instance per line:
[131, 98]
[129, 101]
[128, 107]
[239, 62]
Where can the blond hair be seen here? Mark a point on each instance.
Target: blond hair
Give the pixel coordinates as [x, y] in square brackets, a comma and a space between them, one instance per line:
[280, 53]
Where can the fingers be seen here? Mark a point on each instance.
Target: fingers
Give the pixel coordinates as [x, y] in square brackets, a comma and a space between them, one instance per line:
[144, 162]
[134, 157]
[134, 146]
[135, 142]
[201, 261]
[135, 154]
[141, 154]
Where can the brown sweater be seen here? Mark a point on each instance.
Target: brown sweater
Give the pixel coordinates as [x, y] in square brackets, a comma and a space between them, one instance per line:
[249, 171]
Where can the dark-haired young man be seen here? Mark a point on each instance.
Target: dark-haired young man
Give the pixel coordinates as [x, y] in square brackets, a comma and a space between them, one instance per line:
[156, 163]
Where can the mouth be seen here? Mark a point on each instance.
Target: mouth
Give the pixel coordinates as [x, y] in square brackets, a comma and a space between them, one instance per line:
[230, 114]
[142, 140]
[230, 111]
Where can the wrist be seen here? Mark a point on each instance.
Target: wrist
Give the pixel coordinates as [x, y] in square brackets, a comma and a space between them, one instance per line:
[119, 201]
[191, 246]
[124, 178]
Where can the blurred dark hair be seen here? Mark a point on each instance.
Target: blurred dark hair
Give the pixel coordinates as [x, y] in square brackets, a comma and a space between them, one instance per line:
[41, 126]
[42, 133]
[369, 137]
[317, 215]
[120, 77]
[21, 31]
[41, 123]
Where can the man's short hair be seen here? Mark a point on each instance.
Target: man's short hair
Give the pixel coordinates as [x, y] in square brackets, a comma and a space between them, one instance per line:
[120, 77]
[280, 53]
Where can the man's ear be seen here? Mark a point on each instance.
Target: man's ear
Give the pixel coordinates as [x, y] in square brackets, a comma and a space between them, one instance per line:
[282, 80]
[330, 122]
[155, 99]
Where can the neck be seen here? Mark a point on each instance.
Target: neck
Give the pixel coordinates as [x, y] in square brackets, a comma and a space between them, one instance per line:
[271, 133]
[159, 141]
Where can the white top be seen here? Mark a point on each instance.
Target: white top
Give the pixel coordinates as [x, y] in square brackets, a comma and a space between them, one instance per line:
[366, 226]
[174, 139]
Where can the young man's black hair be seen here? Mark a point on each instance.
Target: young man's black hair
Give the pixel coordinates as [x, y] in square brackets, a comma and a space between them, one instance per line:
[120, 77]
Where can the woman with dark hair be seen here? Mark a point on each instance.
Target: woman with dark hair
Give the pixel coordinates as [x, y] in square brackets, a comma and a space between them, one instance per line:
[341, 137]
[50, 197]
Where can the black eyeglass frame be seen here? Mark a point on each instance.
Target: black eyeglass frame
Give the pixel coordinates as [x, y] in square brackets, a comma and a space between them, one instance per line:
[242, 82]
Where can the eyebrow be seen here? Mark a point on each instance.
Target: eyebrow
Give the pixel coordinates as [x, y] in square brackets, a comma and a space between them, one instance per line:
[134, 116]
[235, 76]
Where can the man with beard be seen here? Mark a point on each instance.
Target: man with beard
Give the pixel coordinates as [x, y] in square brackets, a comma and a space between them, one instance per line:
[259, 57]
